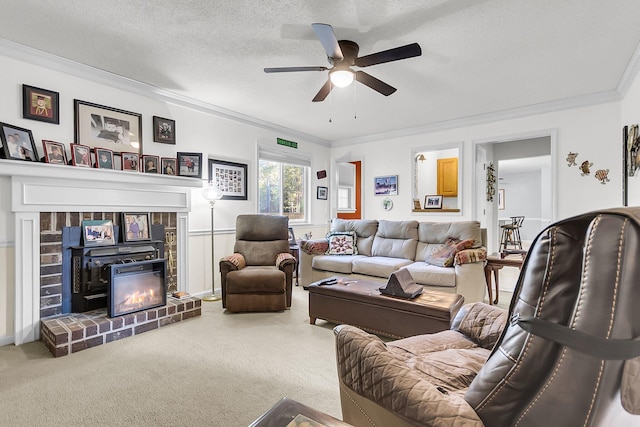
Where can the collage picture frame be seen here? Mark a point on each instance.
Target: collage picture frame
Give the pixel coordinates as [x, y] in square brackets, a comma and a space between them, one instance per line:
[230, 178]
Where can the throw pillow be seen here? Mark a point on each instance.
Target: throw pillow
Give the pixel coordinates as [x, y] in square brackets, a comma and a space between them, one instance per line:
[444, 256]
[342, 243]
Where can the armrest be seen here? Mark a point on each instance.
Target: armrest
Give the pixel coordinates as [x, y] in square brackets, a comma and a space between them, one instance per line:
[480, 322]
[232, 262]
[314, 247]
[467, 256]
[283, 259]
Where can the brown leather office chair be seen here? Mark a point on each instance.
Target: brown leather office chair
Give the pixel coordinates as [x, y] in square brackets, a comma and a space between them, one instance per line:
[258, 276]
[568, 355]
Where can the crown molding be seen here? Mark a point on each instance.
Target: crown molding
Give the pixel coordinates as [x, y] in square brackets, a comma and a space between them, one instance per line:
[630, 73]
[53, 62]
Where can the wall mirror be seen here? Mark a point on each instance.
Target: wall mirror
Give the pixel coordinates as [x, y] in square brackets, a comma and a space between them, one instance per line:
[437, 171]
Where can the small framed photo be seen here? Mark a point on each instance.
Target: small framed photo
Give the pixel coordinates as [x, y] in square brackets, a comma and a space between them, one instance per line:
[136, 227]
[54, 152]
[98, 233]
[80, 155]
[130, 161]
[150, 163]
[164, 130]
[322, 193]
[501, 199]
[416, 204]
[230, 178]
[18, 143]
[104, 158]
[168, 165]
[190, 164]
[292, 237]
[386, 185]
[40, 104]
[433, 202]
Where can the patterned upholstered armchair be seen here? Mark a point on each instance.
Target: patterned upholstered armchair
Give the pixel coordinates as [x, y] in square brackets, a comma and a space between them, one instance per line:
[258, 276]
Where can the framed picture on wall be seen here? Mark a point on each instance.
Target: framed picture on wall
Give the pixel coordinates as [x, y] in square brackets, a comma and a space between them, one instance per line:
[40, 104]
[54, 152]
[230, 178]
[322, 193]
[501, 199]
[164, 130]
[18, 143]
[107, 127]
[385, 185]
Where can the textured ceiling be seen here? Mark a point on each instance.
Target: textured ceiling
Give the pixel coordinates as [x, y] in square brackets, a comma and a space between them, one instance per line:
[479, 56]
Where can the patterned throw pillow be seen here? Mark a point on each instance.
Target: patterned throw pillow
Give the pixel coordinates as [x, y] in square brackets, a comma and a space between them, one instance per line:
[342, 243]
[444, 256]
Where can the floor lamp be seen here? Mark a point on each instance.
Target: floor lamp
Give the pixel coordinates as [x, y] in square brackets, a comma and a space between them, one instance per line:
[212, 194]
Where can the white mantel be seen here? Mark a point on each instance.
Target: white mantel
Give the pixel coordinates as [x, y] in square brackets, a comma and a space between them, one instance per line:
[40, 187]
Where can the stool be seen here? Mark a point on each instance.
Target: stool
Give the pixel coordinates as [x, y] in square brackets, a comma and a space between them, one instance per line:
[511, 233]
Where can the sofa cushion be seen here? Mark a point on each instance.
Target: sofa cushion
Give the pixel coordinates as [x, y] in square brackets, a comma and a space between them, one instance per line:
[444, 256]
[378, 266]
[433, 234]
[396, 239]
[432, 275]
[365, 230]
[342, 243]
[336, 264]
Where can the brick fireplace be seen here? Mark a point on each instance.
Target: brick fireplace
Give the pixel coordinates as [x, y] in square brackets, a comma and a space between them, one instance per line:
[46, 197]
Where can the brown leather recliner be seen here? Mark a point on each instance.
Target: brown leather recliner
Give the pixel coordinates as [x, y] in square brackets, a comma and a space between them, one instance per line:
[568, 355]
[258, 276]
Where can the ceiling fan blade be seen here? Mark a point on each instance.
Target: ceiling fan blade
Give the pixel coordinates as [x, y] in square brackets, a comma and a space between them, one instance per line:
[323, 92]
[402, 52]
[375, 84]
[291, 69]
[327, 37]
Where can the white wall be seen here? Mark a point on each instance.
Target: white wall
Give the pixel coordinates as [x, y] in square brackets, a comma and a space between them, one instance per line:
[197, 130]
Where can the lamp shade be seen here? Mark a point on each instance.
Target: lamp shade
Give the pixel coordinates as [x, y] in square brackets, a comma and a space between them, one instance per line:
[211, 192]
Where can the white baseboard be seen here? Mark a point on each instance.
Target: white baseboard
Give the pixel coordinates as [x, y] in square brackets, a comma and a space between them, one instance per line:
[6, 340]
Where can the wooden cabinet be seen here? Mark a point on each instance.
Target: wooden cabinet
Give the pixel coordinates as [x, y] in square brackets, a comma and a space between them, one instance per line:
[448, 177]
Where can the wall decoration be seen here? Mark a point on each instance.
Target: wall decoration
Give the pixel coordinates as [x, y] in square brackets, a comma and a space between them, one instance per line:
[164, 130]
[321, 174]
[168, 165]
[633, 150]
[54, 152]
[602, 175]
[80, 155]
[230, 178]
[40, 104]
[571, 159]
[190, 164]
[130, 161]
[322, 193]
[625, 167]
[385, 185]
[104, 158]
[501, 199]
[387, 204]
[106, 127]
[433, 202]
[491, 182]
[135, 227]
[18, 143]
[98, 233]
[416, 204]
[150, 163]
[585, 168]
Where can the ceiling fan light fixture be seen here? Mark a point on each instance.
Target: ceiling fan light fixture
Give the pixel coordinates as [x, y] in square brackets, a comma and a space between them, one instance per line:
[341, 78]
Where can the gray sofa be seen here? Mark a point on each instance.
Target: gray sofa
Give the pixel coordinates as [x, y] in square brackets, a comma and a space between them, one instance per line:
[386, 246]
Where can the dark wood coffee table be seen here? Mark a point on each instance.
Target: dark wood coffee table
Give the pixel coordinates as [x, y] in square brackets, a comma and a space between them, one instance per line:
[286, 410]
[359, 303]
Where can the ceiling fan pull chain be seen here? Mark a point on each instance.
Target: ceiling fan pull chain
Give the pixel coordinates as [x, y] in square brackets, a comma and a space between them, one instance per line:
[330, 106]
[355, 105]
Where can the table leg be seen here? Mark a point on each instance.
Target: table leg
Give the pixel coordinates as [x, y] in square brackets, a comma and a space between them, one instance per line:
[487, 276]
[496, 274]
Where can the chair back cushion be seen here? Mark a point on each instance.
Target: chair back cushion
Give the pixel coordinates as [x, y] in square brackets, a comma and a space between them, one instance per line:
[581, 273]
[260, 238]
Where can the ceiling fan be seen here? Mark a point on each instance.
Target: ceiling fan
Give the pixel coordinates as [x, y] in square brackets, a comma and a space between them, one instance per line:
[342, 55]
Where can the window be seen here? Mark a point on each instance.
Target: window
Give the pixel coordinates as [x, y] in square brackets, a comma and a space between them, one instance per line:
[283, 186]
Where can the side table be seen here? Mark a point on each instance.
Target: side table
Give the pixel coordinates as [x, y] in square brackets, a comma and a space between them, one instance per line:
[295, 251]
[495, 262]
[289, 413]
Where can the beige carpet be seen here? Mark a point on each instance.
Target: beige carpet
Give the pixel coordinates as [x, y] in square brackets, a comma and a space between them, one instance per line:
[218, 369]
